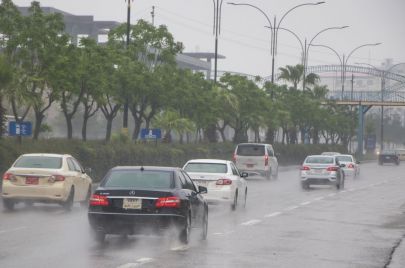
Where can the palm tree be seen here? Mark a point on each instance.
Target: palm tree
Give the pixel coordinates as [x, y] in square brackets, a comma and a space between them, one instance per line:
[294, 75]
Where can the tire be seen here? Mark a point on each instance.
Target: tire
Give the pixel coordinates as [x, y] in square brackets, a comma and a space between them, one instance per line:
[275, 176]
[185, 233]
[204, 229]
[305, 185]
[268, 175]
[68, 204]
[8, 204]
[85, 203]
[234, 205]
[244, 202]
[339, 185]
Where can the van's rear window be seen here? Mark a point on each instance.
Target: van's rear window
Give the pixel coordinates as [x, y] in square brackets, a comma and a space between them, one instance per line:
[139, 179]
[250, 150]
[29, 161]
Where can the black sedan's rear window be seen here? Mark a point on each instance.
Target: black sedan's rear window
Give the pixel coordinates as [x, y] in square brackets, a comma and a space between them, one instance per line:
[250, 150]
[139, 179]
[30, 161]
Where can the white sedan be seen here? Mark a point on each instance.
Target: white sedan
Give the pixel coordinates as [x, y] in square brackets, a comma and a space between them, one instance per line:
[352, 167]
[221, 177]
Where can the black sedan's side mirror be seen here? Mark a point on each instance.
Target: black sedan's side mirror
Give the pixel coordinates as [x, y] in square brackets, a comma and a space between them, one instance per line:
[357, 162]
[244, 175]
[87, 170]
[202, 189]
[342, 165]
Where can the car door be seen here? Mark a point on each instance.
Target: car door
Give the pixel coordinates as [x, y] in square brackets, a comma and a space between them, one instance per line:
[273, 159]
[196, 200]
[241, 182]
[78, 179]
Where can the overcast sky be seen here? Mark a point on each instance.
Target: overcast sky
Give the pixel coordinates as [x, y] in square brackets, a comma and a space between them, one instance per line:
[244, 40]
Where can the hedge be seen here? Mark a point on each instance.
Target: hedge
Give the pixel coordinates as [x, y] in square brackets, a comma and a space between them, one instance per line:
[101, 156]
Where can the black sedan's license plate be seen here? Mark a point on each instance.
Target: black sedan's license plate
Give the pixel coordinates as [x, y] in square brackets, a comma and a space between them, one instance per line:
[388, 157]
[132, 203]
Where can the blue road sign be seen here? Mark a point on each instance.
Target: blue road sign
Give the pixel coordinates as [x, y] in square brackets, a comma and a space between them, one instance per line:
[154, 133]
[371, 141]
[19, 129]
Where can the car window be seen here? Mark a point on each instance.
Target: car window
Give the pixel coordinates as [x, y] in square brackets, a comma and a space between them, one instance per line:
[139, 179]
[78, 167]
[29, 161]
[189, 183]
[270, 152]
[344, 158]
[70, 164]
[206, 167]
[320, 160]
[250, 150]
[234, 170]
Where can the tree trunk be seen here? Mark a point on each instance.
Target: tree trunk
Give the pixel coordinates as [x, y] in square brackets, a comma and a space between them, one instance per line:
[109, 128]
[270, 135]
[69, 126]
[39, 117]
[84, 128]
[211, 133]
[2, 117]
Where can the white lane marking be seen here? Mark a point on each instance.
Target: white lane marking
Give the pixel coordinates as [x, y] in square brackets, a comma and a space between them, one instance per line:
[128, 265]
[229, 232]
[13, 230]
[330, 195]
[218, 233]
[274, 214]
[319, 198]
[179, 248]
[251, 222]
[137, 263]
[351, 190]
[305, 203]
[344, 191]
[291, 208]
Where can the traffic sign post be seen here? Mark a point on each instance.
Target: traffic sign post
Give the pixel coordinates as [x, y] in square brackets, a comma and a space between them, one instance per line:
[151, 134]
[19, 129]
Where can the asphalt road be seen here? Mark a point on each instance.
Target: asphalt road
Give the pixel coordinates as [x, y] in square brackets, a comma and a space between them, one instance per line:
[281, 226]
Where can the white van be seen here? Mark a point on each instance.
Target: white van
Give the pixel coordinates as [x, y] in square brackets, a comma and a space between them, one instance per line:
[256, 159]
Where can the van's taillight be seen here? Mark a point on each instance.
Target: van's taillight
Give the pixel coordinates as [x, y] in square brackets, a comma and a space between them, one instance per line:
[168, 202]
[305, 168]
[266, 160]
[350, 165]
[332, 169]
[99, 200]
[54, 178]
[7, 176]
[224, 181]
[234, 158]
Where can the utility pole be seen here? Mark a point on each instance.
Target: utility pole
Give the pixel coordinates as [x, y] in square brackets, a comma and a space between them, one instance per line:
[153, 15]
[126, 104]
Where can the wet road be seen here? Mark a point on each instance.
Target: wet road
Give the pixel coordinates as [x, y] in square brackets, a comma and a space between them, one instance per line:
[281, 226]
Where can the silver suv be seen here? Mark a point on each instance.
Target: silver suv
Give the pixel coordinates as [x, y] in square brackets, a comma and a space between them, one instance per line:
[256, 159]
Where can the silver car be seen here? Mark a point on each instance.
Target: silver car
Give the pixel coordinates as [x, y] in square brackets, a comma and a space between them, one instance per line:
[256, 159]
[322, 170]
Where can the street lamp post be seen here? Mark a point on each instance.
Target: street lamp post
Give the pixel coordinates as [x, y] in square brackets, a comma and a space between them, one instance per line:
[307, 46]
[343, 60]
[217, 32]
[274, 28]
[126, 104]
[383, 78]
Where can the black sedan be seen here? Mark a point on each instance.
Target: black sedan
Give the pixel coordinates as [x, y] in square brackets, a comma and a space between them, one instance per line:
[138, 200]
[388, 156]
